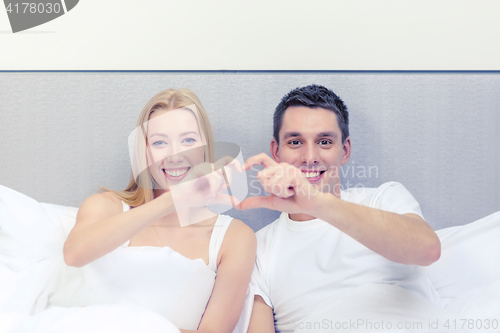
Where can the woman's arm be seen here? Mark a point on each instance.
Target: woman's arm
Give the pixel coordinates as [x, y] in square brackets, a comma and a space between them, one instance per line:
[102, 226]
[237, 260]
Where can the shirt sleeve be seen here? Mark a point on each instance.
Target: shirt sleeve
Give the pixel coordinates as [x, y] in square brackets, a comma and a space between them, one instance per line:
[260, 277]
[394, 197]
[260, 287]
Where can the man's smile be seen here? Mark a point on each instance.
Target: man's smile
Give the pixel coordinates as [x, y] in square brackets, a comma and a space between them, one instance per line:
[313, 176]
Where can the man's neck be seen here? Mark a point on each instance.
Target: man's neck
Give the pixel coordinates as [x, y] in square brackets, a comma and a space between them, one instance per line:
[300, 217]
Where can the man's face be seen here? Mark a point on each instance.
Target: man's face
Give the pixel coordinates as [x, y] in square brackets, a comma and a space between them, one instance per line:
[311, 140]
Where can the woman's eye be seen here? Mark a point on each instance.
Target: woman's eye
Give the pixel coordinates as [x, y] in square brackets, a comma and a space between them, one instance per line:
[189, 140]
[158, 143]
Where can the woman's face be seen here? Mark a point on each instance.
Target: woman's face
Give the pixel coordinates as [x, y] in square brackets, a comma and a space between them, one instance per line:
[175, 145]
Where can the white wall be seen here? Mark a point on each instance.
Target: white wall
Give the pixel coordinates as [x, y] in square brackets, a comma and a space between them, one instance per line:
[65, 134]
[260, 35]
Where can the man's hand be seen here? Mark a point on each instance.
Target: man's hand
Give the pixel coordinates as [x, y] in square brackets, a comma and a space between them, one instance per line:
[406, 239]
[262, 319]
[289, 189]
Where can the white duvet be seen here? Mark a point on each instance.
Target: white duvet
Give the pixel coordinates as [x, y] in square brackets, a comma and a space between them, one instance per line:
[31, 263]
[467, 277]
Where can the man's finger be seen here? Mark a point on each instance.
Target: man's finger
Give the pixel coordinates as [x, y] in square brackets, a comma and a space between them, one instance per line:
[226, 199]
[262, 159]
[279, 189]
[255, 202]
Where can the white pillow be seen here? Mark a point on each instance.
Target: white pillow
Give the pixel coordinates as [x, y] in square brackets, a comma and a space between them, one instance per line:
[470, 258]
[31, 231]
[65, 215]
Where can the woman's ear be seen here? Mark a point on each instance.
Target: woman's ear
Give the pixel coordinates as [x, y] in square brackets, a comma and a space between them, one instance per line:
[275, 151]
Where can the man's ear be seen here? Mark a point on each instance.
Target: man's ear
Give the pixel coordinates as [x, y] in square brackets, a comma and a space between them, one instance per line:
[346, 151]
[275, 151]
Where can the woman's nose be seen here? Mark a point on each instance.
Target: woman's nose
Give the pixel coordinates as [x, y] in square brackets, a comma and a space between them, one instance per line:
[174, 155]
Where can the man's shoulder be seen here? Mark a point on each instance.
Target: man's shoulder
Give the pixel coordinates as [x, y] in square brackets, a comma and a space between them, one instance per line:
[268, 231]
[266, 237]
[391, 196]
[366, 195]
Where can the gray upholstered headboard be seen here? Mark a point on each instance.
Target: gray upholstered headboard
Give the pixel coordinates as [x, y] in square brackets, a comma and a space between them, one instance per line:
[64, 134]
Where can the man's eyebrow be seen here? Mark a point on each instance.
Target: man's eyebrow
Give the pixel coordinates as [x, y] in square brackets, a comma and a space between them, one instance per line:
[328, 134]
[291, 135]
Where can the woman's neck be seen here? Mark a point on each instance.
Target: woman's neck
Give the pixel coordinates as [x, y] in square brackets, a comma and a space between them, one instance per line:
[186, 217]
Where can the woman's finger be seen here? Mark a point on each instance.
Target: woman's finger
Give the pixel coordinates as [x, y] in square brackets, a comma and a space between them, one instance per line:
[228, 176]
[236, 165]
[226, 161]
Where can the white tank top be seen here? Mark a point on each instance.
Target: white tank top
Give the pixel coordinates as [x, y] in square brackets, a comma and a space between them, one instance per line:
[157, 278]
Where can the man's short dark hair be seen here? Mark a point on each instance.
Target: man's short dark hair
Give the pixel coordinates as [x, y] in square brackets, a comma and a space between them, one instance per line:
[312, 96]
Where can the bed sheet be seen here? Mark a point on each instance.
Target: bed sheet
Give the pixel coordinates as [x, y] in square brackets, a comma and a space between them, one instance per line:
[32, 234]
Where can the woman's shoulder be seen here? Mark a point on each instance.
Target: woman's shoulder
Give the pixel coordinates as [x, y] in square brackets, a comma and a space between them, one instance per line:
[103, 201]
[240, 227]
[240, 235]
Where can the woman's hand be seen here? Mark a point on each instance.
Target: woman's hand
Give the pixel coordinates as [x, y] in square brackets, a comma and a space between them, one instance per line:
[204, 185]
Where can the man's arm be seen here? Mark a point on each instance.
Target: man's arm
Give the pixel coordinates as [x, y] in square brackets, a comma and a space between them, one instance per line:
[406, 239]
[262, 319]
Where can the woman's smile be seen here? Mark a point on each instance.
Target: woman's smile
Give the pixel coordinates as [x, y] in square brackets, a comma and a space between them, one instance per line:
[176, 174]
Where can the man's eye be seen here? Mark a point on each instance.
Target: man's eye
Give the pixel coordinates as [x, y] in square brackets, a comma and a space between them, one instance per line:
[325, 142]
[294, 142]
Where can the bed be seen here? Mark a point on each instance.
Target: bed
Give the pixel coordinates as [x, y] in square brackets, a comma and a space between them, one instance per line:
[65, 135]
[467, 277]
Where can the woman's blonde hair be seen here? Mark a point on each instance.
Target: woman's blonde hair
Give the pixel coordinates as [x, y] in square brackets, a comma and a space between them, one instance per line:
[141, 185]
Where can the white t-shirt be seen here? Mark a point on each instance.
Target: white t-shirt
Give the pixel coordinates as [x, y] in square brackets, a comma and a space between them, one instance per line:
[300, 264]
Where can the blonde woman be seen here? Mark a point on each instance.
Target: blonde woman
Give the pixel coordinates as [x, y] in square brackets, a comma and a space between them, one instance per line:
[155, 244]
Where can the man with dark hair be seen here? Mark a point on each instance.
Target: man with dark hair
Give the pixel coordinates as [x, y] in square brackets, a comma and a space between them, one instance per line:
[312, 96]
[329, 240]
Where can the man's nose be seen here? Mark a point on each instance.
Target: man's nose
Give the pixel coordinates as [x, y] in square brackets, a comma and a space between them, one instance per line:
[310, 154]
